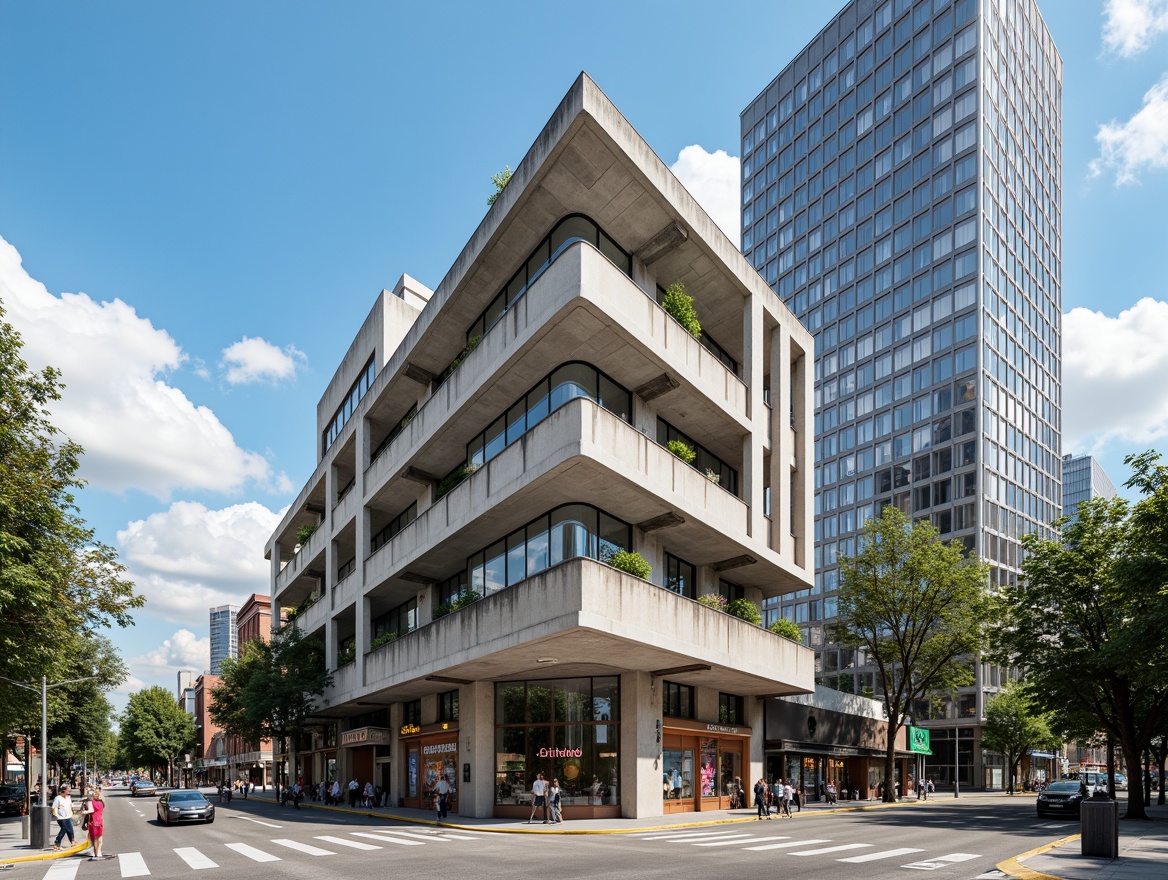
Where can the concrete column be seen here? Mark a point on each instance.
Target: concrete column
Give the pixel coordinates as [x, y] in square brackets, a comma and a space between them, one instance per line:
[476, 734]
[364, 631]
[782, 451]
[640, 760]
[752, 444]
[756, 717]
[397, 753]
[803, 383]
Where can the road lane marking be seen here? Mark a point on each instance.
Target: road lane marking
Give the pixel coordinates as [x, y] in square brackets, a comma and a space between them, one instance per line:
[194, 858]
[739, 842]
[886, 854]
[341, 841]
[940, 862]
[787, 845]
[257, 821]
[63, 869]
[733, 838]
[304, 847]
[133, 865]
[446, 835]
[415, 834]
[830, 849]
[256, 855]
[691, 835]
[388, 839]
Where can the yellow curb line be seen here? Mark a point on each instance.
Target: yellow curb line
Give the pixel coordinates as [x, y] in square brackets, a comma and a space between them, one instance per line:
[1021, 872]
[47, 856]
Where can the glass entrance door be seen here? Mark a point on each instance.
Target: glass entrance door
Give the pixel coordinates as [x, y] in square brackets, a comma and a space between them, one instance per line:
[677, 777]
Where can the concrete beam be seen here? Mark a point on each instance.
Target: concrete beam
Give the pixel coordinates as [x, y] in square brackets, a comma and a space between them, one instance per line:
[663, 521]
[670, 238]
[654, 388]
[418, 374]
[735, 562]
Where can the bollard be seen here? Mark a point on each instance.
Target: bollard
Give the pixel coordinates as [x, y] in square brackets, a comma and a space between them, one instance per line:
[1099, 826]
[39, 835]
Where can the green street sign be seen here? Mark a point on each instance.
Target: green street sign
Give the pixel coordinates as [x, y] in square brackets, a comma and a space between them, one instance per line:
[918, 740]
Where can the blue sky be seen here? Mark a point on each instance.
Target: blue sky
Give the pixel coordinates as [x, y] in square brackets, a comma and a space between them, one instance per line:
[199, 202]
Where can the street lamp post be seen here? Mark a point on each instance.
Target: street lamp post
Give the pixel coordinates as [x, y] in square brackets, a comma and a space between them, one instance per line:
[39, 834]
[956, 762]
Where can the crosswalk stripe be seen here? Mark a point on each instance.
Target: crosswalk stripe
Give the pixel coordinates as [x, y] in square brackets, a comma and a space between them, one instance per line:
[733, 838]
[446, 835]
[63, 869]
[690, 835]
[415, 834]
[194, 858]
[787, 845]
[341, 841]
[737, 842]
[307, 848]
[886, 854]
[388, 839]
[940, 861]
[132, 864]
[830, 849]
[256, 855]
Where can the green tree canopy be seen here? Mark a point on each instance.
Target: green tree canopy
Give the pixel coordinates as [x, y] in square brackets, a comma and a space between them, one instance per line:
[1013, 728]
[915, 606]
[1089, 613]
[155, 729]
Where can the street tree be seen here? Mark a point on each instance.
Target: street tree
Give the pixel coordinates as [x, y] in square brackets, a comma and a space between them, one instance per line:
[155, 730]
[1086, 617]
[272, 690]
[915, 606]
[1013, 728]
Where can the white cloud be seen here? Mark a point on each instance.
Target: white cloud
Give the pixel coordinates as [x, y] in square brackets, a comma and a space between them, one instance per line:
[256, 360]
[1132, 25]
[138, 431]
[1141, 142]
[182, 651]
[714, 180]
[1113, 377]
[188, 558]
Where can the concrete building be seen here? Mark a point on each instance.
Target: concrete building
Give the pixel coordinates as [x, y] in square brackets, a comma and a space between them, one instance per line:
[246, 761]
[504, 437]
[901, 191]
[224, 638]
[210, 761]
[1083, 479]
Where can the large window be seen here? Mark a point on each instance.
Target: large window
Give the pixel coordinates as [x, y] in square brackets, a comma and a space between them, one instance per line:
[704, 461]
[397, 621]
[677, 700]
[394, 526]
[731, 709]
[448, 706]
[681, 577]
[345, 410]
[568, 729]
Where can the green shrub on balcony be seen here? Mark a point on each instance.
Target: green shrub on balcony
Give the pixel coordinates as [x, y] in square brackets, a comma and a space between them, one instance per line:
[466, 597]
[304, 533]
[682, 450]
[713, 600]
[679, 304]
[787, 629]
[347, 656]
[453, 479]
[746, 610]
[631, 563]
[384, 639]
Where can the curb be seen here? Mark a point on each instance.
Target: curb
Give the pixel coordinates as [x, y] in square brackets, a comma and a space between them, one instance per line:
[47, 856]
[1011, 867]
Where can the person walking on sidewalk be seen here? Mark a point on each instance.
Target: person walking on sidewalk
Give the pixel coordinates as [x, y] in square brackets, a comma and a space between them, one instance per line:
[95, 814]
[786, 801]
[539, 798]
[63, 813]
[442, 796]
[760, 799]
[354, 789]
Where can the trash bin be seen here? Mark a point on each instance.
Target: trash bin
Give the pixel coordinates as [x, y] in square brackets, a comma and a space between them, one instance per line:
[39, 827]
[1099, 826]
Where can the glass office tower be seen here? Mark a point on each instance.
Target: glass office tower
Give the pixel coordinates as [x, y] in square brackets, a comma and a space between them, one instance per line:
[901, 192]
[1083, 479]
[224, 636]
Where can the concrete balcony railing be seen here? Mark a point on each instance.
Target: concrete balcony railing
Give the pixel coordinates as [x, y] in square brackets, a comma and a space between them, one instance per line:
[311, 554]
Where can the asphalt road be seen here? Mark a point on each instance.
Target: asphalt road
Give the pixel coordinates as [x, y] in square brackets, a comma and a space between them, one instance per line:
[951, 840]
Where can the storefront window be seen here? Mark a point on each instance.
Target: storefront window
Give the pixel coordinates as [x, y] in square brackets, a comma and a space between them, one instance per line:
[565, 728]
[709, 762]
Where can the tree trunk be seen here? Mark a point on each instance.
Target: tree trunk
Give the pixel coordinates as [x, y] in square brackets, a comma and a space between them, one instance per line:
[890, 761]
[1162, 756]
[1135, 782]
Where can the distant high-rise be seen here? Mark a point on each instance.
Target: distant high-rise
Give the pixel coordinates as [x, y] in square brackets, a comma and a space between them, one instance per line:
[224, 637]
[1083, 478]
[901, 192]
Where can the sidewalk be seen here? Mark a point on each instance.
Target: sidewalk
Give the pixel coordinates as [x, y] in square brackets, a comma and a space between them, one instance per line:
[15, 848]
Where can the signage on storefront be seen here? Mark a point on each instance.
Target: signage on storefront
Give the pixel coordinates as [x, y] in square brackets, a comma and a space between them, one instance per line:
[918, 740]
[561, 753]
[364, 736]
[410, 729]
[719, 728]
[439, 748]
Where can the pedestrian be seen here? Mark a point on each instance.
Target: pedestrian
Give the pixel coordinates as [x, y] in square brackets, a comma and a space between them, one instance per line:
[354, 790]
[555, 802]
[377, 795]
[797, 798]
[831, 793]
[367, 795]
[776, 794]
[785, 801]
[538, 798]
[442, 796]
[760, 799]
[335, 792]
[63, 813]
[94, 813]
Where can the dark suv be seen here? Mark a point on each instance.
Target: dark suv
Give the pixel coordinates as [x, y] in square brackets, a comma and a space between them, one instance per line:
[1062, 798]
[11, 800]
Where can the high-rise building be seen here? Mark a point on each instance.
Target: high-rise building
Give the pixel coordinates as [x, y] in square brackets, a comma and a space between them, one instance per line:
[1084, 478]
[224, 637]
[901, 192]
[500, 457]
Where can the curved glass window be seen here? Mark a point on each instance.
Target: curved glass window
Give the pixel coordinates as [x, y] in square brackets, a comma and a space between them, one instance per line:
[561, 385]
[571, 229]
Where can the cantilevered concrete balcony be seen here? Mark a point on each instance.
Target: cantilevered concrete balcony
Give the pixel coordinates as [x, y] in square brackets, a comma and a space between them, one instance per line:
[581, 618]
[304, 572]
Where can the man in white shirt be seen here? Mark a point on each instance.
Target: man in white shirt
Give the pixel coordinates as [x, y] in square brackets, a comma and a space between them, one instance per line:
[354, 788]
[442, 796]
[539, 797]
[63, 813]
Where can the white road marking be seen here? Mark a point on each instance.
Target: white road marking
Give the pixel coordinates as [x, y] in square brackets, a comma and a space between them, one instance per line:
[341, 841]
[787, 845]
[194, 858]
[886, 854]
[256, 855]
[941, 861]
[257, 821]
[132, 864]
[735, 841]
[304, 847]
[388, 839]
[415, 834]
[830, 849]
[446, 835]
[63, 869]
[691, 835]
[733, 838]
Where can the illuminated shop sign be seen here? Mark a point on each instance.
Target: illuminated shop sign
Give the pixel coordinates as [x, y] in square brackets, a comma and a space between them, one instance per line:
[439, 748]
[561, 753]
[407, 729]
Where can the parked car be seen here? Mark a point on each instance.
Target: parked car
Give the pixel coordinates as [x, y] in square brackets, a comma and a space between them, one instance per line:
[1120, 782]
[1062, 798]
[11, 800]
[185, 805]
[143, 788]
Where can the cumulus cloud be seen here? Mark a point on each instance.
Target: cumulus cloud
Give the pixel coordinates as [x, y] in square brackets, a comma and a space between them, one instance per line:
[1140, 143]
[188, 558]
[1113, 377]
[257, 360]
[714, 180]
[138, 431]
[182, 651]
[1132, 25]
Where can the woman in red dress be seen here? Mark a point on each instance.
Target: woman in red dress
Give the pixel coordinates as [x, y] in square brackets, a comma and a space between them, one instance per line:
[95, 810]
